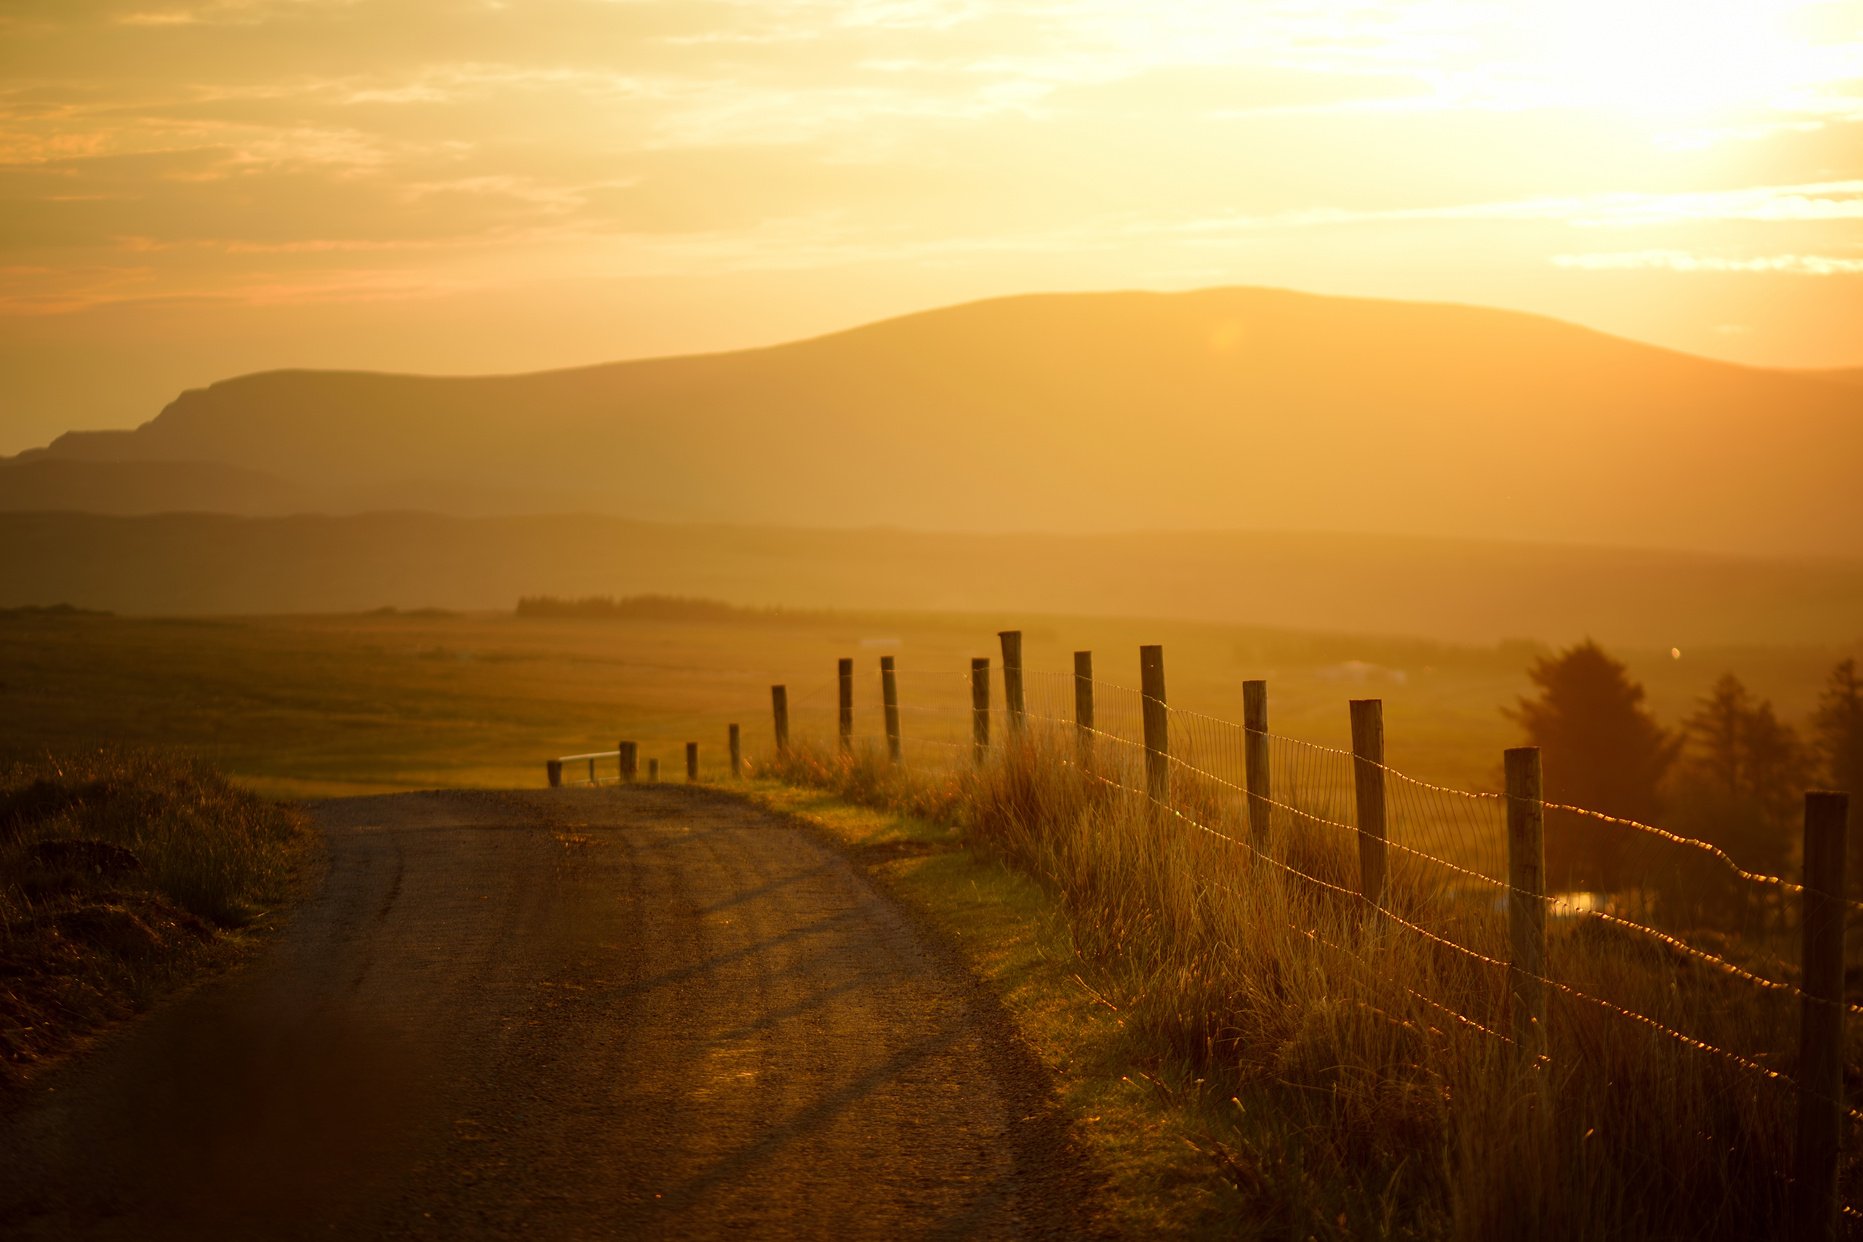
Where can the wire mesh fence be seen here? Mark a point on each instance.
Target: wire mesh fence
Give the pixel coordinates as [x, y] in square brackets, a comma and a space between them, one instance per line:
[1639, 926]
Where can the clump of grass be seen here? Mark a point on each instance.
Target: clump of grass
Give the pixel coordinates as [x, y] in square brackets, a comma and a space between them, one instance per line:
[865, 778]
[122, 872]
[1353, 1077]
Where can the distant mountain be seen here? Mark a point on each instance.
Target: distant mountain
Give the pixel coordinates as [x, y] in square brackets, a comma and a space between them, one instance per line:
[1221, 409]
[46, 482]
[56, 482]
[1469, 590]
[1852, 377]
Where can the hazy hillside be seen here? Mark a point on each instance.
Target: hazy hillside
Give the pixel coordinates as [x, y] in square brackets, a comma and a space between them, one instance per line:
[1460, 589]
[57, 482]
[1221, 409]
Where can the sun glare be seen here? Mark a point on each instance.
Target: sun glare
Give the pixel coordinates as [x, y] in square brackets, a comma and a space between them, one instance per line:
[1661, 57]
[1658, 58]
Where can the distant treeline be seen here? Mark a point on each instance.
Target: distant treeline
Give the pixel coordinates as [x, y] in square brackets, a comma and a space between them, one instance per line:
[644, 608]
[53, 610]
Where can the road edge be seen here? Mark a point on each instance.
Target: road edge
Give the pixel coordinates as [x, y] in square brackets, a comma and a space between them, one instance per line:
[1009, 936]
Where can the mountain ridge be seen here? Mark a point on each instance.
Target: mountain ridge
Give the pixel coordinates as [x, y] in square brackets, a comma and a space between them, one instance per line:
[1215, 409]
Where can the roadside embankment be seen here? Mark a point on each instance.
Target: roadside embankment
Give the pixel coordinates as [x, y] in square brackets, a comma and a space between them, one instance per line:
[123, 876]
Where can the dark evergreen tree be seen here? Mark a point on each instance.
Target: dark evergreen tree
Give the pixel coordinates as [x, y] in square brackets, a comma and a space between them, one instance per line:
[1743, 778]
[1837, 730]
[1601, 750]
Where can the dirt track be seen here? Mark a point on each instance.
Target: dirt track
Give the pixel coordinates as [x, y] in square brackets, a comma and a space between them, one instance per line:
[610, 1013]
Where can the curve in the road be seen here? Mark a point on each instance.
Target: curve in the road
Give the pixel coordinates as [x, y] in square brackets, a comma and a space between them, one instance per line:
[630, 1012]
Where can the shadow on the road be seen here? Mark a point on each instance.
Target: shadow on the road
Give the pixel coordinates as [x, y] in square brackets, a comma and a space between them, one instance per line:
[694, 970]
[764, 890]
[814, 1000]
[812, 1119]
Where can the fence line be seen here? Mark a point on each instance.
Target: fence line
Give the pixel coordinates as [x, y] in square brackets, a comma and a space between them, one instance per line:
[1193, 767]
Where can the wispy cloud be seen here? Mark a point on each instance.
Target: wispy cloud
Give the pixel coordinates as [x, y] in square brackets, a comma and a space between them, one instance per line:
[159, 148]
[1827, 200]
[1682, 261]
[1818, 201]
[224, 12]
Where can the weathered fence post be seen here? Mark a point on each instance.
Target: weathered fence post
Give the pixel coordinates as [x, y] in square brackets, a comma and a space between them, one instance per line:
[1821, 1018]
[1157, 724]
[653, 771]
[1083, 705]
[1368, 784]
[629, 755]
[1526, 898]
[779, 707]
[980, 707]
[737, 751]
[1256, 758]
[554, 769]
[889, 698]
[1012, 679]
[845, 672]
[692, 761]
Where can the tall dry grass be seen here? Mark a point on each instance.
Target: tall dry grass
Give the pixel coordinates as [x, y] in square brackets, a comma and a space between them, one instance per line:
[121, 873]
[1353, 1075]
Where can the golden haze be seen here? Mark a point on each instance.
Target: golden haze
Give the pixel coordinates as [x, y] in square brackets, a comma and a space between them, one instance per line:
[197, 188]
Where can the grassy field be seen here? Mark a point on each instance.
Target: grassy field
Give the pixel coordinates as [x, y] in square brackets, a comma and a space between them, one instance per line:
[316, 705]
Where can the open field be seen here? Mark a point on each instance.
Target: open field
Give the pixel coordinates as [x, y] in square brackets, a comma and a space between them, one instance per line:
[1477, 590]
[331, 704]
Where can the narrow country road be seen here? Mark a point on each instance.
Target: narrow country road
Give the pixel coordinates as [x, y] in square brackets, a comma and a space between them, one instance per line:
[642, 1012]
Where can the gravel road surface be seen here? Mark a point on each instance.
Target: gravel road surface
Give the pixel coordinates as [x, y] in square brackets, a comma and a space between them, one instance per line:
[642, 1012]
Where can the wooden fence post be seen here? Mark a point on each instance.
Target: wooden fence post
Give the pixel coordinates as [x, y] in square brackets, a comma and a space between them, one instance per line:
[737, 751]
[1157, 718]
[553, 768]
[980, 707]
[1256, 757]
[1083, 705]
[592, 779]
[653, 771]
[889, 697]
[1821, 1018]
[629, 755]
[1526, 898]
[692, 761]
[779, 707]
[1368, 784]
[1012, 679]
[846, 674]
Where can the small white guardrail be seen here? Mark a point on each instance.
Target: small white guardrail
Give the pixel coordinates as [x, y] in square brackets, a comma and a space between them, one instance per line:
[622, 756]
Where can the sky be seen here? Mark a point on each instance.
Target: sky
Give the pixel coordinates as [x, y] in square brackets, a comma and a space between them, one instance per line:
[193, 189]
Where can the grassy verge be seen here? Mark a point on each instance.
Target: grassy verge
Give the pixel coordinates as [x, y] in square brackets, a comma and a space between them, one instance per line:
[1252, 1056]
[123, 874]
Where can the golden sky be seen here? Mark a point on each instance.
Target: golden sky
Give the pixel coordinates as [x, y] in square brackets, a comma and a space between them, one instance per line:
[194, 188]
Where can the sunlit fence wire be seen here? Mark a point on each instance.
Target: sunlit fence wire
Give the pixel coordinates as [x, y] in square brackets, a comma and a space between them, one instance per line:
[1664, 935]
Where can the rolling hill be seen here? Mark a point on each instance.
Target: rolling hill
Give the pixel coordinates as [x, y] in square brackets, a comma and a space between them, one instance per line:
[1468, 590]
[1221, 409]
